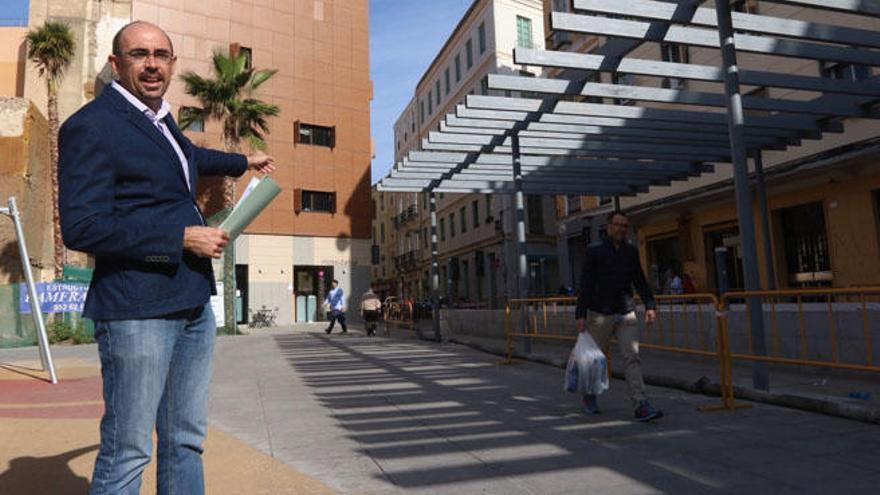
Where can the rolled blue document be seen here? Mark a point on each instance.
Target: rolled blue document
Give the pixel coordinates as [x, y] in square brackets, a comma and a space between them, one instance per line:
[250, 205]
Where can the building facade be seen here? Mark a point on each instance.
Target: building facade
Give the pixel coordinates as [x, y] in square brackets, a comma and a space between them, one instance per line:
[318, 228]
[475, 232]
[823, 195]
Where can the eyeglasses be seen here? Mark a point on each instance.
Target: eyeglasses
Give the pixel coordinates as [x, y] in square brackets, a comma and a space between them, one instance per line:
[140, 56]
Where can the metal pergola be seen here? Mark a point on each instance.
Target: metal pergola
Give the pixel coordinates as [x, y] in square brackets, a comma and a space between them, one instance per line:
[563, 138]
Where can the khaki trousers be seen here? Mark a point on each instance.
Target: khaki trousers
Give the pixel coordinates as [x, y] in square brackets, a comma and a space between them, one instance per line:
[625, 327]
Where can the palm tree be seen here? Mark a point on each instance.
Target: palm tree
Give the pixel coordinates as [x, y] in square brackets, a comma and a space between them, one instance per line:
[228, 98]
[51, 48]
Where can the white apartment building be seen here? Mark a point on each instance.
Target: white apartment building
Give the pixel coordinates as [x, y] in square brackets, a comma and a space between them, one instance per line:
[475, 232]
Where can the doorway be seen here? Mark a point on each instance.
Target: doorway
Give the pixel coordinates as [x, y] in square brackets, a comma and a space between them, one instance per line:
[313, 280]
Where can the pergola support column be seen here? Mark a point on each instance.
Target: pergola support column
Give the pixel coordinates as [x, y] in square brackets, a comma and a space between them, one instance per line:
[736, 129]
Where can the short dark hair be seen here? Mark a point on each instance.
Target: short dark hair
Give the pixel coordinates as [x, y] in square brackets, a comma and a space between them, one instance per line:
[613, 214]
[335, 281]
[117, 38]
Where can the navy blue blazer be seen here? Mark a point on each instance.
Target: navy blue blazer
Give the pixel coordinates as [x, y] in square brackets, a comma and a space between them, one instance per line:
[123, 198]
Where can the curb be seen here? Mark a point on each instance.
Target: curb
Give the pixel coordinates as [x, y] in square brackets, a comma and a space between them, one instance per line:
[706, 386]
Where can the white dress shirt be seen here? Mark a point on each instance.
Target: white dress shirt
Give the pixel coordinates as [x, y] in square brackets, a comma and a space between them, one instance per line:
[156, 119]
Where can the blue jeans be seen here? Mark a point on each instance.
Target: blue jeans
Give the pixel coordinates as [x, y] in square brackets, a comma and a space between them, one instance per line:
[156, 372]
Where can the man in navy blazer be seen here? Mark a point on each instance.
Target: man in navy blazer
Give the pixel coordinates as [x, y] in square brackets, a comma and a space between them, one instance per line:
[127, 180]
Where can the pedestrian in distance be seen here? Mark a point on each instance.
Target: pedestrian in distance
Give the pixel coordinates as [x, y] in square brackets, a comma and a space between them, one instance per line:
[127, 179]
[606, 308]
[370, 308]
[335, 301]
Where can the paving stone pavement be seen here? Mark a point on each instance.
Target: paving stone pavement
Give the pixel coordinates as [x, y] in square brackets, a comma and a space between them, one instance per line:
[385, 415]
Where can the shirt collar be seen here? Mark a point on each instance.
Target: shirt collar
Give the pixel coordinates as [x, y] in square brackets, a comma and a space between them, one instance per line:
[164, 109]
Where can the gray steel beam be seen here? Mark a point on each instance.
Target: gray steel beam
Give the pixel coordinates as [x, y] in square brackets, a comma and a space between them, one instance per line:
[604, 26]
[550, 180]
[758, 24]
[561, 131]
[805, 126]
[695, 72]
[764, 212]
[634, 112]
[447, 161]
[862, 7]
[791, 136]
[593, 149]
[663, 95]
[741, 186]
[435, 269]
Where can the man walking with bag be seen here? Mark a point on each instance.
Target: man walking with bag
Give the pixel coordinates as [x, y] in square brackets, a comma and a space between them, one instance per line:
[605, 307]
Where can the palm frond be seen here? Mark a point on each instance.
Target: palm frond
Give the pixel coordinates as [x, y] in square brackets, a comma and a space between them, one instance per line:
[51, 48]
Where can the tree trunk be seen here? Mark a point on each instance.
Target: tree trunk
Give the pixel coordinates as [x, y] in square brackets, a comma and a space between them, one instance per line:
[229, 254]
[58, 259]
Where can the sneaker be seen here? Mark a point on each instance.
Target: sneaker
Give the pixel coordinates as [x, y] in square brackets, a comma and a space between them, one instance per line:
[646, 412]
[327, 330]
[591, 404]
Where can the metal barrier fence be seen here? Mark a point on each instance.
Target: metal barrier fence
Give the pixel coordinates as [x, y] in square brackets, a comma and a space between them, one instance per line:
[704, 325]
[828, 328]
[399, 314]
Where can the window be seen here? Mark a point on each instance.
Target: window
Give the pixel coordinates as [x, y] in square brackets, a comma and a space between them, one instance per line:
[484, 86]
[313, 201]
[430, 103]
[466, 279]
[523, 32]
[559, 38]
[747, 6]
[382, 232]
[446, 77]
[481, 37]
[469, 53]
[624, 79]
[237, 50]
[475, 211]
[805, 242]
[463, 219]
[845, 72]
[314, 134]
[421, 112]
[425, 237]
[489, 218]
[671, 52]
[442, 229]
[452, 225]
[458, 67]
[535, 207]
[437, 87]
[196, 124]
[412, 121]
[572, 203]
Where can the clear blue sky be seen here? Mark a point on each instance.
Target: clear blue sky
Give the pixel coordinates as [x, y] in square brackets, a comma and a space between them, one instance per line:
[13, 12]
[405, 35]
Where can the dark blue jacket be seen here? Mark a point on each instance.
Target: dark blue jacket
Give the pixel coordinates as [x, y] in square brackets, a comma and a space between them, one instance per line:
[123, 198]
[608, 277]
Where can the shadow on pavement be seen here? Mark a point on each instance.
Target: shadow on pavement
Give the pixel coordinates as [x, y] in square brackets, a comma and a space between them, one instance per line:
[45, 475]
[430, 417]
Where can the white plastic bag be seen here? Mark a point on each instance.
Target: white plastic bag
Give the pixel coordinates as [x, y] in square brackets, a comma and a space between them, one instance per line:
[591, 365]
